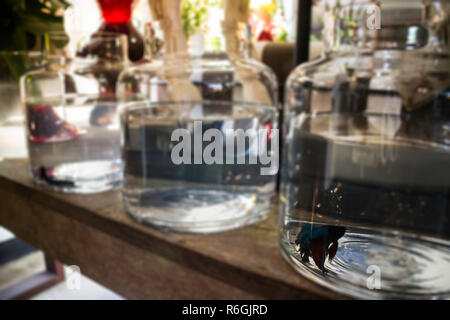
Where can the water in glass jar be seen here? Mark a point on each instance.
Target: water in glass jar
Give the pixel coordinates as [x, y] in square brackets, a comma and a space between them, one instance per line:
[367, 213]
[74, 147]
[192, 198]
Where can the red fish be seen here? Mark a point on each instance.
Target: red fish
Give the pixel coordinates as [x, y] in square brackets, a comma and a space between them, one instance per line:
[45, 125]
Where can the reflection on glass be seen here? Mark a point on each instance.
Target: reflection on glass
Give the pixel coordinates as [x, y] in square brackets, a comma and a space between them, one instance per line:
[182, 189]
[365, 179]
[71, 118]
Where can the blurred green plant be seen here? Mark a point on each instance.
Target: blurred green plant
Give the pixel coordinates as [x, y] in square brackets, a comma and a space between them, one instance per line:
[215, 43]
[22, 22]
[282, 35]
[194, 14]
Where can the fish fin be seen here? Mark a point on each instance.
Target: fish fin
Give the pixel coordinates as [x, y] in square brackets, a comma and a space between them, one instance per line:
[305, 255]
[318, 254]
[332, 251]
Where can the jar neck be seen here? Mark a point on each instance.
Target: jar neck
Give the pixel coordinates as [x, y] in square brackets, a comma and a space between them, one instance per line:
[390, 25]
[54, 46]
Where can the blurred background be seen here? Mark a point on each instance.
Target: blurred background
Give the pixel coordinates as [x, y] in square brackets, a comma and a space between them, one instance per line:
[271, 20]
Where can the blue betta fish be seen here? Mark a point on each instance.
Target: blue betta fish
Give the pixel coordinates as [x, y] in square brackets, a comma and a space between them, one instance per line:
[319, 242]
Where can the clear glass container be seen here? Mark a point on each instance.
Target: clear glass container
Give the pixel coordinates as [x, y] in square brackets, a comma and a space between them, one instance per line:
[72, 124]
[197, 190]
[365, 175]
[221, 91]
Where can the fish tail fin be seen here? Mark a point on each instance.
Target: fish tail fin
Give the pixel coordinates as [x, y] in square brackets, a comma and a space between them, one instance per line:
[332, 251]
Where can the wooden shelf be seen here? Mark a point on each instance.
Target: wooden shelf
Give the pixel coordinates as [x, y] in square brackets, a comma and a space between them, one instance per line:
[95, 233]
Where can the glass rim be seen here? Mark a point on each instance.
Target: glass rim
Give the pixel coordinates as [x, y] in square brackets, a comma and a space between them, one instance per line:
[350, 3]
[135, 105]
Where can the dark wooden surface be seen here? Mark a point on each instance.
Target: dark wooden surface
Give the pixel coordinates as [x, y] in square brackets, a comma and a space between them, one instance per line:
[94, 233]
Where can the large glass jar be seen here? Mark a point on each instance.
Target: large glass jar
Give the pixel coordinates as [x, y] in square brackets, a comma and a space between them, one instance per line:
[72, 125]
[197, 95]
[198, 166]
[222, 94]
[364, 198]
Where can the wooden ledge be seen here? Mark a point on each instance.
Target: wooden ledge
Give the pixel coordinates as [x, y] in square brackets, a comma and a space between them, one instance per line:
[95, 233]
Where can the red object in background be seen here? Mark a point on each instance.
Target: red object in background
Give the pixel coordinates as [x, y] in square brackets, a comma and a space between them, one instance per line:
[117, 18]
[265, 36]
[116, 11]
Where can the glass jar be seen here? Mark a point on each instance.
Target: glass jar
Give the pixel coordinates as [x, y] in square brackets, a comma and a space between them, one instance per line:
[198, 167]
[203, 95]
[175, 94]
[72, 126]
[364, 198]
